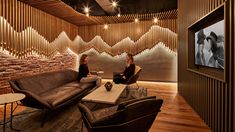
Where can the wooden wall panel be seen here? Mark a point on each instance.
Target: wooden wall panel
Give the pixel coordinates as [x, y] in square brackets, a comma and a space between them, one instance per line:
[211, 98]
[127, 37]
[154, 46]
[25, 29]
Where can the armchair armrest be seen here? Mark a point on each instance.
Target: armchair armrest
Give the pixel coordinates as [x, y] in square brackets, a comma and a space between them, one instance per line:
[111, 118]
[94, 72]
[123, 104]
[86, 112]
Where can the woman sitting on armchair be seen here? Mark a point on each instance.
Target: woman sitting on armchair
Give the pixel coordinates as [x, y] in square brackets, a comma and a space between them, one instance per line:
[128, 72]
[84, 75]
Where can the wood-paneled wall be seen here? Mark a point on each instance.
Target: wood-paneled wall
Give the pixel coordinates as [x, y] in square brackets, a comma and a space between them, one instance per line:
[211, 98]
[126, 37]
[24, 29]
[117, 32]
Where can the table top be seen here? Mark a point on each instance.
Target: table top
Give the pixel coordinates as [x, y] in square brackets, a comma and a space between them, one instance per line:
[101, 95]
[11, 97]
[100, 72]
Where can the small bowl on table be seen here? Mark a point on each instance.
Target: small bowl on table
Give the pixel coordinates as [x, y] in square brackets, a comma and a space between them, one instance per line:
[108, 86]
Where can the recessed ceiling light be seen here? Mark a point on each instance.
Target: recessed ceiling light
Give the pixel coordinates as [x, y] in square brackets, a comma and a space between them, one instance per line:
[86, 10]
[155, 20]
[136, 20]
[114, 4]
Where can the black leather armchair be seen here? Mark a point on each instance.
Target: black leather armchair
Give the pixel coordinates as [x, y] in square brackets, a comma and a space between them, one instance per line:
[134, 115]
[133, 79]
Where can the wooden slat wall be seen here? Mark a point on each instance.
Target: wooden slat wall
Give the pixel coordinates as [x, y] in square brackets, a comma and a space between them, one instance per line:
[211, 99]
[24, 29]
[144, 35]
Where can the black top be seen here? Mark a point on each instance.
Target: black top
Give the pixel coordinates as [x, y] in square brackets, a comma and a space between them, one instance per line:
[83, 71]
[129, 71]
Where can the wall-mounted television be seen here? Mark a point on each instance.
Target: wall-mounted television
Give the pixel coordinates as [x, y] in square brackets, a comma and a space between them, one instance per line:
[208, 42]
[209, 45]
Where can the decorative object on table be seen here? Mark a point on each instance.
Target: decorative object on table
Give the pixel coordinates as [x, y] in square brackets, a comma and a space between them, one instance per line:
[108, 86]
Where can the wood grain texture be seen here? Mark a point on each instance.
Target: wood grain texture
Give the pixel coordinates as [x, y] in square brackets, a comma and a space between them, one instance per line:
[212, 99]
[175, 116]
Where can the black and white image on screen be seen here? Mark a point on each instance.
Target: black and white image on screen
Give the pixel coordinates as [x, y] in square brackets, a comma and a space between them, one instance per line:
[209, 46]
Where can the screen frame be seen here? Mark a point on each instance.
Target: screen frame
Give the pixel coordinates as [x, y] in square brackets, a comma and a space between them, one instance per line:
[216, 15]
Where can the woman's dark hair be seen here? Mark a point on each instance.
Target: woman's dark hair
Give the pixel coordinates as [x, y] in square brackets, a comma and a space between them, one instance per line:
[130, 57]
[82, 59]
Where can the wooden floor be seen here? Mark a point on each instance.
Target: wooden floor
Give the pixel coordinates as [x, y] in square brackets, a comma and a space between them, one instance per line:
[175, 116]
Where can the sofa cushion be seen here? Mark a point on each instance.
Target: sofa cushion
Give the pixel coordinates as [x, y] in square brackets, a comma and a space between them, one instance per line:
[58, 95]
[42, 82]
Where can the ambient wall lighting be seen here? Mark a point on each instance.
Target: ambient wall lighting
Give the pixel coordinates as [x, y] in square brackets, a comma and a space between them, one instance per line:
[155, 20]
[119, 15]
[136, 20]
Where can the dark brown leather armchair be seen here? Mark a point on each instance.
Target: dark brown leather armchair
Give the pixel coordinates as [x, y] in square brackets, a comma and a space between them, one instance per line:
[131, 116]
[134, 78]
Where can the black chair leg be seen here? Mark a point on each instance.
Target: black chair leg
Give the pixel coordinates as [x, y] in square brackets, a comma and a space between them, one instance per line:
[82, 126]
[44, 111]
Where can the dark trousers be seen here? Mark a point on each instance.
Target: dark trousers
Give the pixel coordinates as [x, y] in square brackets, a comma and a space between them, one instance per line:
[117, 78]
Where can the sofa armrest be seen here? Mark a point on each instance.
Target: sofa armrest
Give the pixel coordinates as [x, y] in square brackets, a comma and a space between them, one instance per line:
[35, 97]
[29, 95]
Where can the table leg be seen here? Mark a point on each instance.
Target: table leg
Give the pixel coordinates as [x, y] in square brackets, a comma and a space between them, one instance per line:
[4, 117]
[11, 115]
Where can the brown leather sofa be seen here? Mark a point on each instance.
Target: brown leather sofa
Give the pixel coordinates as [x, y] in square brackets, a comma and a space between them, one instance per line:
[51, 90]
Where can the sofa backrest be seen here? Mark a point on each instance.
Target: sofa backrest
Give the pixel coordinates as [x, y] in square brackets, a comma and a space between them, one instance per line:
[42, 82]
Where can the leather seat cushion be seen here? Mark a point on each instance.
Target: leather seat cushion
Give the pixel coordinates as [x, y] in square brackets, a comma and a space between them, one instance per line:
[58, 95]
[43, 82]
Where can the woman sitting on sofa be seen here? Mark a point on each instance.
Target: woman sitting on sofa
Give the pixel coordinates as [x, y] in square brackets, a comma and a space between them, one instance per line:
[128, 72]
[84, 75]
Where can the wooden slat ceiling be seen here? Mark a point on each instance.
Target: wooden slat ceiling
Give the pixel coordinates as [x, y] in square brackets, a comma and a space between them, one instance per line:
[131, 17]
[60, 9]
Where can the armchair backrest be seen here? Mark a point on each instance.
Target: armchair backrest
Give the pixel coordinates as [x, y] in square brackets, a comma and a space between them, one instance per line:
[134, 115]
[136, 75]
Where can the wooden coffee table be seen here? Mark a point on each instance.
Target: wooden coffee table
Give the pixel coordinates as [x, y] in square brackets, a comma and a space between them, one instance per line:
[101, 95]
